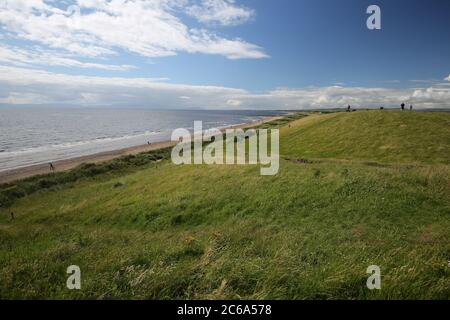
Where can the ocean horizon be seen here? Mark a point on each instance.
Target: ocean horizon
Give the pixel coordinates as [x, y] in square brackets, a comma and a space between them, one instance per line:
[31, 136]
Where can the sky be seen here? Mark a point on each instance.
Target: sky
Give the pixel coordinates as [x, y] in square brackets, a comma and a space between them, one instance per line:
[224, 54]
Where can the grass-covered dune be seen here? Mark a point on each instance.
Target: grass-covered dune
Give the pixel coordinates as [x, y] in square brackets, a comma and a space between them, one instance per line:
[145, 228]
[382, 136]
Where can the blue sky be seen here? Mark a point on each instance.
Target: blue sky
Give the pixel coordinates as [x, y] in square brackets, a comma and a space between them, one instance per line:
[323, 42]
[284, 54]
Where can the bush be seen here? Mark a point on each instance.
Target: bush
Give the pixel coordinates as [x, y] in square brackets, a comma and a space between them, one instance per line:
[10, 194]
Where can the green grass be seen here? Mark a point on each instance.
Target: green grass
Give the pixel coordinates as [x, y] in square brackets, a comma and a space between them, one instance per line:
[152, 230]
[10, 192]
[384, 136]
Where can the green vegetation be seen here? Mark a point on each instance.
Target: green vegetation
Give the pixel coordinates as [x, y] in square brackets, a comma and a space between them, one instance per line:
[383, 136]
[149, 229]
[283, 121]
[12, 191]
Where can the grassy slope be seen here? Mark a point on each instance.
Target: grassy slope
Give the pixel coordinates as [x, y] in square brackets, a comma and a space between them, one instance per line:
[227, 232]
[384, 136]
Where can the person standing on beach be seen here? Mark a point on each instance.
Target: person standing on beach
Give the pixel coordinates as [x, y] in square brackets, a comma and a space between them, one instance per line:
[52, 168]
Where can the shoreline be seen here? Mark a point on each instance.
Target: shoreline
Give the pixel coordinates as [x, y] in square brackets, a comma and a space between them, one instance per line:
[12, 175]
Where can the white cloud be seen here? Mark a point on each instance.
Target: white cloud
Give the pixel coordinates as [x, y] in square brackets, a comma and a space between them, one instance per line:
[224, 12]
[38, 56]
[96, 28]
[425, 81]
[234, 103]
[26, 86]
[23, 98]
[55, 88]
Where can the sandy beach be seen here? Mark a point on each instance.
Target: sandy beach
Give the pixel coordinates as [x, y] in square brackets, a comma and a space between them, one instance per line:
[67, 164]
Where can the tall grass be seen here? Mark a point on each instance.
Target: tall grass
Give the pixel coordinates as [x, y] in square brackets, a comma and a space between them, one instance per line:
[153, 230]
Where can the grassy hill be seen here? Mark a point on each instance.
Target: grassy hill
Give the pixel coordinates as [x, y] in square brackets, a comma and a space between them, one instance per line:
[144, 228]
[384, 136]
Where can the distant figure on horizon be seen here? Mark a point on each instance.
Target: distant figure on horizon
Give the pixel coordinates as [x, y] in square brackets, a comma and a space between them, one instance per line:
[381, 108]
[403, 106]
[52, 168]
[410, 107]
[349, 108]
[148, 142]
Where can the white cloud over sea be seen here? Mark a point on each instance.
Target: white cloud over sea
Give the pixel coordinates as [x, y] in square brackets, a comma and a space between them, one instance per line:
[31, 86]
[37, 36]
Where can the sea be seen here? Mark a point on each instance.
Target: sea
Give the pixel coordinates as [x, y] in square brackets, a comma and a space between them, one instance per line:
[36, 135]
